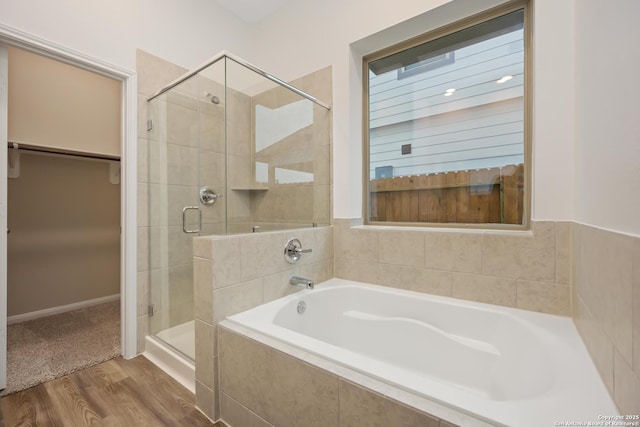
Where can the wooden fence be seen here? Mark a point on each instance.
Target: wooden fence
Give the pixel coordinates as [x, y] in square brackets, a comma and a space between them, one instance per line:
[477, 196]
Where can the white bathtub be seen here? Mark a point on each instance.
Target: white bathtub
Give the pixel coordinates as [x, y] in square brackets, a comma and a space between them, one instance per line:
[497, 364]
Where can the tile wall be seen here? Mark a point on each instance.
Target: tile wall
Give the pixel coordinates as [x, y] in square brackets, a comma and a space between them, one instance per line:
[182, 153]
[559, 268]
[262, 387]
[235, 273]
[528, 269]
[273, 205]
[239, 161]
[153, 73]
[186, 151]
[606, 295]
[306, 150]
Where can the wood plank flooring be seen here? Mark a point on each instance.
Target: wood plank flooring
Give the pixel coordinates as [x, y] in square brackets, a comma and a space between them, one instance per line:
[115, 393]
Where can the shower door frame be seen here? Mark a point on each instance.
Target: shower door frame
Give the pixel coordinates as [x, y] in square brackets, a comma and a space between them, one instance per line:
[128, 190]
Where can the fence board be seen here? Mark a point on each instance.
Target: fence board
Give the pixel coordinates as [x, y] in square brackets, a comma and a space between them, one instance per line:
[452, 201]
[462, 180]
[478, 196]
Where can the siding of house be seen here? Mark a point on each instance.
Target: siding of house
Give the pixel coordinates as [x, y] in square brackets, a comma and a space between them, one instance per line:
[479, 126]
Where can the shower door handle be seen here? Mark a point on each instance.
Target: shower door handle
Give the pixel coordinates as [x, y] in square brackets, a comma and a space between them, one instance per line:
[184, 219]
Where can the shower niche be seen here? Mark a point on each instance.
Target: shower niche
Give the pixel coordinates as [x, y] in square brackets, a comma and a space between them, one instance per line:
[232, 150]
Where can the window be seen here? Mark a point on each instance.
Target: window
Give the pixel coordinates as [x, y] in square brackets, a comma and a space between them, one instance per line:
[426, 65]
[447, 137]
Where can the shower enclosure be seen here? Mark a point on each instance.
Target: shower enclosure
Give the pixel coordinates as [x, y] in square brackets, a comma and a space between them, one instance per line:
[236, 151]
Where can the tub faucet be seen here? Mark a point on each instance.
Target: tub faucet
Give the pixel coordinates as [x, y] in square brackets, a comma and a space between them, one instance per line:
[301, 281]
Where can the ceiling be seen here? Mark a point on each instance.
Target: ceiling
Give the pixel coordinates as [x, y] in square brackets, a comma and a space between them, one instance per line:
[252, 11]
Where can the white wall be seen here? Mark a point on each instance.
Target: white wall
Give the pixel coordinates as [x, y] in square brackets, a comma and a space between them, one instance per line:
[338, 33]
[184, 32]
[553, 110]
[608, 114]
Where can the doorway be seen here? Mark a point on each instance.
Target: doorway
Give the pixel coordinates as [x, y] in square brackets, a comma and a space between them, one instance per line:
[63, 242]
[128, 146]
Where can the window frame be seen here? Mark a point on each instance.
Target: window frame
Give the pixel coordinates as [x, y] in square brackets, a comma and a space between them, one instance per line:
[470, 21]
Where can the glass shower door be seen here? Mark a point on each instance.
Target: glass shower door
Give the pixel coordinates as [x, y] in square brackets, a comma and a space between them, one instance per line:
[186, 200]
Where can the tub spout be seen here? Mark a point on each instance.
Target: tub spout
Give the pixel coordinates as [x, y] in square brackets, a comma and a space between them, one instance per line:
[301, 281]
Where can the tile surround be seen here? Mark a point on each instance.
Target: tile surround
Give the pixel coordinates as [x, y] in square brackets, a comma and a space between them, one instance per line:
[626, 386]
[460, 252]
[636, 307]
[518, 290]
[237, 415]
[168, 160]
[488, 289]
[559, 268]
[308, 149]
[549, 298]
[246, 372]
[156, 185]
[529, 257]
[237, 272]
[304, 396]
[360, 407]
[380, 264]
[261, 386]
[483, 266]
[606, 294]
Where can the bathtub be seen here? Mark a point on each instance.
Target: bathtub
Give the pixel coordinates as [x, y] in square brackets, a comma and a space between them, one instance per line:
[498, 365]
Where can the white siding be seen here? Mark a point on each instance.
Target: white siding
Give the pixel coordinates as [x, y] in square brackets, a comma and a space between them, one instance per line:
[479, 126]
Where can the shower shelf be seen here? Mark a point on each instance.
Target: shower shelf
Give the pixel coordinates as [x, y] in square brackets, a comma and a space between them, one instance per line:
[250, 188]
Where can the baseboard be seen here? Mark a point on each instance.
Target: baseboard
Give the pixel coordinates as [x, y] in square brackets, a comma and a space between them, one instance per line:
[60, 309]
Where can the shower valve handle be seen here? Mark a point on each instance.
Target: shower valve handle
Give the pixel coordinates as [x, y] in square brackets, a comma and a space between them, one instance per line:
[293, 251]
[208, 196]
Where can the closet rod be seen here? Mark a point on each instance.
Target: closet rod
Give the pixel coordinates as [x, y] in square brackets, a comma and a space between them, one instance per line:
[26, 147]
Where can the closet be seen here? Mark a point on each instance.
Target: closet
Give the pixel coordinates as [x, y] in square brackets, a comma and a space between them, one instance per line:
[64, 202]
[63, 246]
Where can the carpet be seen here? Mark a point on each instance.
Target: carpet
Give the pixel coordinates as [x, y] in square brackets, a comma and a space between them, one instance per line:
[50, 347]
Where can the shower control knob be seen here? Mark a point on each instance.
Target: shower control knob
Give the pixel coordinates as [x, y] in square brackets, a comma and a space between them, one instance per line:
[208, 196]
[293, 251]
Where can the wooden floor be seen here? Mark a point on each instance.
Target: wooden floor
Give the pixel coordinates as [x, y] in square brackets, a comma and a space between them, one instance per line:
[115, 393]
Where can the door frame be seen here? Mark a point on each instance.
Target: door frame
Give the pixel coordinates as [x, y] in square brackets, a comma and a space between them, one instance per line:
[128, 165]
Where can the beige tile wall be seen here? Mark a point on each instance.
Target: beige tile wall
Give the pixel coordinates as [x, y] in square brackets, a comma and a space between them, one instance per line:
[171, 166]
[235, 273]
[239, 160]
[559, 268]
[308, 150]
[606, 270]
[261, 386]
[184, 151]
[153, 223]
[526, 270]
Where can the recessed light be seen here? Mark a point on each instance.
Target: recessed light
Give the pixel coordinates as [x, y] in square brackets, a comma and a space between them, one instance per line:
[449, 91]
[504, 79]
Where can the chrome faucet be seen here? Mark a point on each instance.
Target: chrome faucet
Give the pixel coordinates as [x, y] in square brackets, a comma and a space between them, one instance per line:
[301, 281]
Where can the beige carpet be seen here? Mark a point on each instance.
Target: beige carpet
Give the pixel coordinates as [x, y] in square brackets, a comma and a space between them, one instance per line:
[50, 347]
